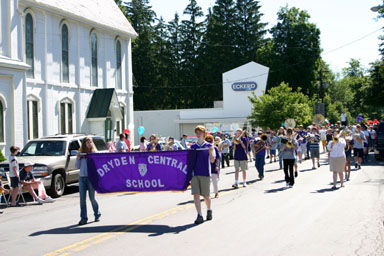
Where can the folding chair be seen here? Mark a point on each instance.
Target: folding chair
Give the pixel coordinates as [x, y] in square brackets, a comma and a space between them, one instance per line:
[21, 191]
[3, 198]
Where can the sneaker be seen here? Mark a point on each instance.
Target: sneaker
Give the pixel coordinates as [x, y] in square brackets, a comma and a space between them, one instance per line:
[209, 215]
[82, 222]
[359, 166]
[270, 161]
[244, 184]
[267, 157]
[199, 219]
[1, 211]
[97, 218]
[356, 165]
[39, 201]
[287, 184]
[235, 185]
[290, 186]
[318, 165]
[313, 167]
[49, 199]
[275, 160]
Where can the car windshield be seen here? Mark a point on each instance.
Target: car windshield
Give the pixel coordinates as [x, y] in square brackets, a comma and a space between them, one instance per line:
[44, 148]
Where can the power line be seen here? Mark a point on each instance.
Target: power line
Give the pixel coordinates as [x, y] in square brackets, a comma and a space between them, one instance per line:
[263, 74]
[352, 42]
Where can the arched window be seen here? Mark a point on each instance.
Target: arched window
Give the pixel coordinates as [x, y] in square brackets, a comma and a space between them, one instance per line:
[32, 116]
[66, 119]
[94, 59]
[64, 53]
[1, 122]
[29, 44]
[118, 65]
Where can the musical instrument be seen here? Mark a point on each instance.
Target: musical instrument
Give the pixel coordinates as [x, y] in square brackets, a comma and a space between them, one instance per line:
[319, 119]
[357, 136]
[290, 123]
[237, 140]
[335, 139]
[289, 144]
[259, 144]
[153, 147]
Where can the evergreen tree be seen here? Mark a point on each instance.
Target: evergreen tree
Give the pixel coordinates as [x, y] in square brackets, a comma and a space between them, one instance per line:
[143, 67]
[249, 29]
[192, 31]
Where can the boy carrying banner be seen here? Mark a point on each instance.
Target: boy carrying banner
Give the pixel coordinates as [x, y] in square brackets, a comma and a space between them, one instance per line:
[202, 173]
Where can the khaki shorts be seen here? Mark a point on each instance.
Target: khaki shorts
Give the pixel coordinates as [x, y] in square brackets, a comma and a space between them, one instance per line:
[241, 165]
[201, 185]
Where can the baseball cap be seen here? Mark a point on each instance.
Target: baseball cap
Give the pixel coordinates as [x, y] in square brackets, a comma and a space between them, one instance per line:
[28, 163]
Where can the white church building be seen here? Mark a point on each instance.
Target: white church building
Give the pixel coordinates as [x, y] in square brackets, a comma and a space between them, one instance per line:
[65, 67]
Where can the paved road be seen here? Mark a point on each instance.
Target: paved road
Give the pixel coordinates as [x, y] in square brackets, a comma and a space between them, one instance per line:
[265, 219]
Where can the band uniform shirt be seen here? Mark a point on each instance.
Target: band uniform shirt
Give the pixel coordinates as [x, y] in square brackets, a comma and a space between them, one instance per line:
[240, 152]
[203, 163]
[262, 144]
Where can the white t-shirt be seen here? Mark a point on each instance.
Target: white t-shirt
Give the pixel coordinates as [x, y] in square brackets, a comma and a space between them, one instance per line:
[323, 134]
[338, 148]
[372, 134]
[12, 163]
[343, 117]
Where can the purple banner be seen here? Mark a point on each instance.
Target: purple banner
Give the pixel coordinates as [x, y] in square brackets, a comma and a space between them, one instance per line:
[141, 171]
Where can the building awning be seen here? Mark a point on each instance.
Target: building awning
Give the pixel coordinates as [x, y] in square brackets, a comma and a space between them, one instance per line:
[104, 103]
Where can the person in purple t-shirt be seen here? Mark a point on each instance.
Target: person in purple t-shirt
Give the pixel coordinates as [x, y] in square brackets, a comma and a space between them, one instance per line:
[259, 147]
[201, 180]
[240, 157]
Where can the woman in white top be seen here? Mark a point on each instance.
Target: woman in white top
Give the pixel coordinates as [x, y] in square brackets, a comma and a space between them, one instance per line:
[337, 157]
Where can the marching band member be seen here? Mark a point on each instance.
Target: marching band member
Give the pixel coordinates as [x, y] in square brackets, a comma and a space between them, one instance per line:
[273, 146]
[240, 157]
[348, 154]
[302, 138]
[260, 145]
[225, 144]
[337, 157]
[200, 183]
[358, 147]
[280, 135]
[315, 147]
[215, 166]
[153, 145]
[289, 145]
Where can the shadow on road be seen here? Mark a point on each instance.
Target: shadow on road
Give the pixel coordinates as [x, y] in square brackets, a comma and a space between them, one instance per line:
[275, 190]
[324, 190]
[152, 230]
[278, 181]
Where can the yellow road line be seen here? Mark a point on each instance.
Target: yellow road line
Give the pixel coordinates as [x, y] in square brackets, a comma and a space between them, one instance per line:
[81, 245]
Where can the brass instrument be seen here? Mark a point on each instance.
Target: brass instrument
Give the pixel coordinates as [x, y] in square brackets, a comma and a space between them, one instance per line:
[237, 140]
[348, 145]
[263, 138]
[312, 138]
[335, 139]
[289, 144]
[153, 148]
[357, 136]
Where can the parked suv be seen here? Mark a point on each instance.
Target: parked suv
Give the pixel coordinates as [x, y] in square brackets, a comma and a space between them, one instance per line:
[379, 143]
[54, 163]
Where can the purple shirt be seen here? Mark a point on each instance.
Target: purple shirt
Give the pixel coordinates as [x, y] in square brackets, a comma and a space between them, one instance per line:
[213, 165]
[300, 134]
[203, 163]
[157, 147]
[259, 145]
[240, 152]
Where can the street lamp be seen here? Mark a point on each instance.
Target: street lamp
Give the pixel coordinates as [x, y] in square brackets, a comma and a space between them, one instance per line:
[377, 8]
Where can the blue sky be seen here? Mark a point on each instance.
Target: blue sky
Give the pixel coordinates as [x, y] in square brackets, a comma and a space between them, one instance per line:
[349, 29]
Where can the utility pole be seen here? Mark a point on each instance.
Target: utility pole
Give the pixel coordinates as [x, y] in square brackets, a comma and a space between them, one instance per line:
[321, 83]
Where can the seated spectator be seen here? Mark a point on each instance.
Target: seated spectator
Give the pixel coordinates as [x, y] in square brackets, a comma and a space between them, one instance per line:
[30, 183]
[2, 189]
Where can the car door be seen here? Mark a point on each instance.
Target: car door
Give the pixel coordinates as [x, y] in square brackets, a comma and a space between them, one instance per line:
[72, 171]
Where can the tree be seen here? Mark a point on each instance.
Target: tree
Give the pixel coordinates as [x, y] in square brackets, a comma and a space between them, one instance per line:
[191, 34]
[142, 17]
[249, 29]
[295, 50]
[281, 103]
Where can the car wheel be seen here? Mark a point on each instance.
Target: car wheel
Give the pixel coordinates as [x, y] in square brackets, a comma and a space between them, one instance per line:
[58, 185]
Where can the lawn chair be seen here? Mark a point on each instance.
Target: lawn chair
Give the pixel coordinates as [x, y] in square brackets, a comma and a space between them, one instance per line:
[21, 191]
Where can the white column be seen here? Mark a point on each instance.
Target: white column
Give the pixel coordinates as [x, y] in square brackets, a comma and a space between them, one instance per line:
[129, 103]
